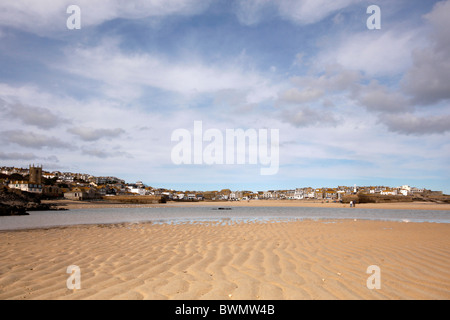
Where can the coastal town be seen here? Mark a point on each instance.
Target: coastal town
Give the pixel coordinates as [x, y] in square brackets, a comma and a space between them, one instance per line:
[85, 187]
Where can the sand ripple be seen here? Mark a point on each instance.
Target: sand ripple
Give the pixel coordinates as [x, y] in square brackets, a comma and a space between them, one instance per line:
[295, 260]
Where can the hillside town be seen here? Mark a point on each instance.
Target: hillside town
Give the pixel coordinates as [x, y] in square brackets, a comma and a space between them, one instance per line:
[82, 187]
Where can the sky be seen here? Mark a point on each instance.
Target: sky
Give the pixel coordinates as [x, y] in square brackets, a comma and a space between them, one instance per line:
[352, 105]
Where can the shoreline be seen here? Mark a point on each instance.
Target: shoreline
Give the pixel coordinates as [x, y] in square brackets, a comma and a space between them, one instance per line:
[303, 260]
[70, 204]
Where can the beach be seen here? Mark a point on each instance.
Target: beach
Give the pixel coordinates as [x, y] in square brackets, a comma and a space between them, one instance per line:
[69, 204]
[209, 260]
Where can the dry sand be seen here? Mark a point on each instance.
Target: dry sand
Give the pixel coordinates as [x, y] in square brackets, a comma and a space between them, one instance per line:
[270, 261]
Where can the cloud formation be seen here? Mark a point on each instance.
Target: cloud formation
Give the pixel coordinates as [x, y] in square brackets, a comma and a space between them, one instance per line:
[47, 17]
[92, 134]
[378, 98]
[309, 68]
[411, 124]
[103, 154]
[428, 80]
[17, 156]
[308, 117]
[296, 96]
[124, 76]
[35, 116]
[33, 140]
[301, 12]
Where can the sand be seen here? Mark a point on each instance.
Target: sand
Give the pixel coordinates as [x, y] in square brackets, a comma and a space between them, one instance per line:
[252, 261]
[69, 204]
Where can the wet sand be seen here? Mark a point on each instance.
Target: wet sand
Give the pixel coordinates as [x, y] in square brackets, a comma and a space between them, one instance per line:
[251, 261]
[69, 204]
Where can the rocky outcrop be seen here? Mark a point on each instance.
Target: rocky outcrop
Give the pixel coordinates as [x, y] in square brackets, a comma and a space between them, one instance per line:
[14, 202]
[10, 210]
[428, 196]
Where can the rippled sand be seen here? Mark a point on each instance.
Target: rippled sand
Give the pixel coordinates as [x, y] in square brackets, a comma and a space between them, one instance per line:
[294, 260]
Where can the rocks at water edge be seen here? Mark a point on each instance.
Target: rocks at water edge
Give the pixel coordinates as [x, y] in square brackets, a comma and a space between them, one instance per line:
[15, 203]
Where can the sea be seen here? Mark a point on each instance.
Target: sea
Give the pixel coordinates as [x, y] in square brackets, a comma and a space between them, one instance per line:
[213, 214]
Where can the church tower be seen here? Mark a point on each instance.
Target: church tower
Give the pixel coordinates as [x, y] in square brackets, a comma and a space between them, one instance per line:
[35, 175]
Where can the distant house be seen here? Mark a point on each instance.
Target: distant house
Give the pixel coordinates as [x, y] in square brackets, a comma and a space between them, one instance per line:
[319, 194]
[80, 194]
[340, 194]
[389, 192]
[179, 196]
[52, 191]
[191, 196]
[223, 197]
[375, 190]
[199, 197]
[290, 194]
[237, 195]
[309, 193]
[75, 195]
[101, 191]
[137, 190]
[416, 190]
[405, 190]
[66, 177]
[268, 194]
[167, 194]
[110, 191]
[25, 186]
[48, 175]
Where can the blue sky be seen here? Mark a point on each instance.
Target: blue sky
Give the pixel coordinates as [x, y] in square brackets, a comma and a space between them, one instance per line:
[352, 105]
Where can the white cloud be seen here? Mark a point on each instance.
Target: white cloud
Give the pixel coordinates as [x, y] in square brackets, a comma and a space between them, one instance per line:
[376, 53]
[16, 156]
[33, 140]
[250, 12]
[92, 134]
[335, 78]
[379, 98]
[416, 125]
[302, 12]
[35, 116]
[47, 17]
[108, 130]
[310, 11]
[102, 154]
[428, 80]
[294, 95]
[125, 75]
[308, 117]
[319, 110]
[438, 18]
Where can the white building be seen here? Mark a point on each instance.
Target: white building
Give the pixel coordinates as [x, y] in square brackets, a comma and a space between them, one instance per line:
[389, 192]
[48, 175]
[405, 190]
[310, 193]
[299, 194]
[138, 191]
[268, 194]
[25, 186]
[415, 190]
[66, 178]
[167, 194]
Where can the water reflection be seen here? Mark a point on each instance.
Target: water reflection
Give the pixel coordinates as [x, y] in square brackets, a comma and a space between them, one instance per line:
[44, 219]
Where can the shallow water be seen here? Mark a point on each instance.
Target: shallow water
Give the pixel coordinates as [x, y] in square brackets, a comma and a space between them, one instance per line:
[45, 219]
